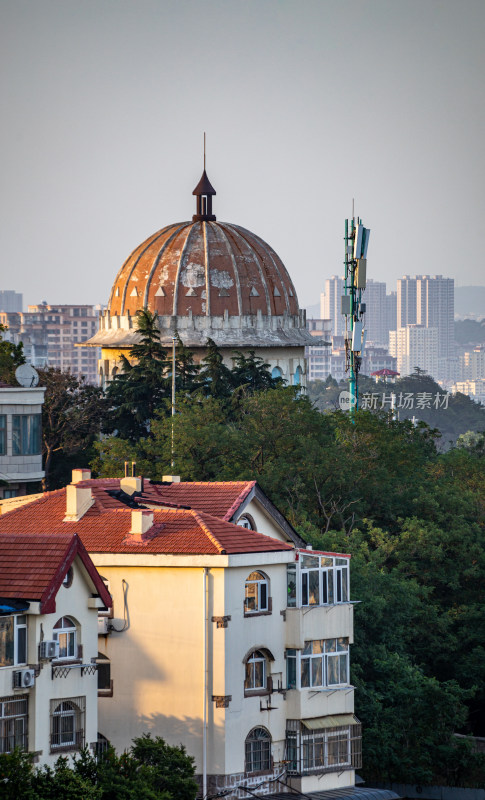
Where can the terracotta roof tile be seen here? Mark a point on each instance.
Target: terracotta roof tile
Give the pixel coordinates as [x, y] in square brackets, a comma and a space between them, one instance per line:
[105, 527]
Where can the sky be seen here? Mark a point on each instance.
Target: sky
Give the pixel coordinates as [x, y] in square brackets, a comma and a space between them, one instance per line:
[307, 105]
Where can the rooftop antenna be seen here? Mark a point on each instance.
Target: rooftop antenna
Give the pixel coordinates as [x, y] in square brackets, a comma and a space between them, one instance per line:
[204, 151]
[356, 241]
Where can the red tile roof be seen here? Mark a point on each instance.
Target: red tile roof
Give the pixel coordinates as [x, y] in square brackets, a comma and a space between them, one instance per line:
[105, 527]
[34, 565]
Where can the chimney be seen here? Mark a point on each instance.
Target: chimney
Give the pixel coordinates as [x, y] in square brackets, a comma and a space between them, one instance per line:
[78, 501]
[130, 485]
[79, 475]
[141, 521]
[171, 478]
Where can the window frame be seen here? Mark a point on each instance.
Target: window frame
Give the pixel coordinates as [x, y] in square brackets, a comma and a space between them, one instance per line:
[262, 594]
[70, 631]
[16, 642]
[3, 434]
[303, 668]
[14, 726]
[322, 750]
[26, 434]
[250, 676]
[251, 754]
[317, 579]
[76, 713]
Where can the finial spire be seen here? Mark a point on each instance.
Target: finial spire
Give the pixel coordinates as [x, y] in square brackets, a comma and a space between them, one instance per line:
[204, 192]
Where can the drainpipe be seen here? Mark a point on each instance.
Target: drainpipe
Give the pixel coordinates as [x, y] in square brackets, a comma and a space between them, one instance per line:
[206, 683]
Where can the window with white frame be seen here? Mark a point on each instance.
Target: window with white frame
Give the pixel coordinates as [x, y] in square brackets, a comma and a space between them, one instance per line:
[13, 640]
[67, 720]
[322, 663]
[13, 723]
[258, 750]
[26, 434]
[256, 593]
[66, 634]
[256, 669]
[317, 580]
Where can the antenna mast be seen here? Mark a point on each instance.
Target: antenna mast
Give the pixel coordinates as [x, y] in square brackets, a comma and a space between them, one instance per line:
[174, 339]
[356, 242]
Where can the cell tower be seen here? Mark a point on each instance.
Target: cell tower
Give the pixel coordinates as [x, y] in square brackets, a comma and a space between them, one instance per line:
[356, 243]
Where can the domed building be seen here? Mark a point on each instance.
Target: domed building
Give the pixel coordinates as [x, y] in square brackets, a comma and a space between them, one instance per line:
[207, 279]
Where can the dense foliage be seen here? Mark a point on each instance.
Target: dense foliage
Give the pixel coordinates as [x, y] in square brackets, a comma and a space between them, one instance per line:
[11, 357]
[152, 770]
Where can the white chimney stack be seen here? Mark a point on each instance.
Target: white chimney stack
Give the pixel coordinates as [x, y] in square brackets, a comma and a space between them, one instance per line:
[130, 485]
[79, 475]
[141, 521]
[78, 501]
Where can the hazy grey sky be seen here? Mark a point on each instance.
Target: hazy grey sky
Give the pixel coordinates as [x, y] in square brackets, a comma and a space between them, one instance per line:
[306, 104]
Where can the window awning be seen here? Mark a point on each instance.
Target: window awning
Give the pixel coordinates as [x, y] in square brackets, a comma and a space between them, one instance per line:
[337, 721]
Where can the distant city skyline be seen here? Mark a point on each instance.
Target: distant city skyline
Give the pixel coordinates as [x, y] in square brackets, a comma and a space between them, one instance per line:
[306, 106]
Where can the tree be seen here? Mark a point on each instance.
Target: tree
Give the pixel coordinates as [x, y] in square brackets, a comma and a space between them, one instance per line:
[72, 416]
[215, 377]
[11, 357]
[251, 371]
[142, 388]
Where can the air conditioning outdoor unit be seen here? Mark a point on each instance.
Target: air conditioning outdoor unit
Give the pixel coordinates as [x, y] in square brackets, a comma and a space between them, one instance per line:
[23, 679]
[103, 626]
[49, 649]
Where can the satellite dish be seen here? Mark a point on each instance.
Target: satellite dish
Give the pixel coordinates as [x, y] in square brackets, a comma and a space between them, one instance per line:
[27, 376]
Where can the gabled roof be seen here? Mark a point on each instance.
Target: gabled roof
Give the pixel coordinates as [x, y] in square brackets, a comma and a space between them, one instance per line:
[34, 566]
[106, 526]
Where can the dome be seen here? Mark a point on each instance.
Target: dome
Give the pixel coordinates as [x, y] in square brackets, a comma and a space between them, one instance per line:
[204, 268]
[207, 279]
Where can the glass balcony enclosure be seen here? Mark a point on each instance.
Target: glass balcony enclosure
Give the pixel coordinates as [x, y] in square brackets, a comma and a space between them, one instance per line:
[317, 579]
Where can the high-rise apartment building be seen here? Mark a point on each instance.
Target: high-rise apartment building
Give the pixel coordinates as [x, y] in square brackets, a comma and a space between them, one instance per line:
[330, 304]
[415, 346]
[374, 298]
[428, 300]
[50, 335]
[10, 301]
[390, 314]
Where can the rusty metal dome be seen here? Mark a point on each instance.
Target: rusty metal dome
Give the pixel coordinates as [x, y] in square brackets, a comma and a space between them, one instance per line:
[203, 268]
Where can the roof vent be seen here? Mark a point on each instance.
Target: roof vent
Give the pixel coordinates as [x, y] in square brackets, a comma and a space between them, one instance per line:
[78, 501]
[79, 475]
[171, 478]
[141, 521]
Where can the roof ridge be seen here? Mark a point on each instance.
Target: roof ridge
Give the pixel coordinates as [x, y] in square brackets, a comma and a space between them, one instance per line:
[208, 532]
[237, 502]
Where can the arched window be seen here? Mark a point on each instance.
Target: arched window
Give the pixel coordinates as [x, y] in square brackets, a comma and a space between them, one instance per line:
[297, 376]
[67, 723]
[276, 372]
[246, 521]
[256, 668]
[256, 599]
[258, 750]
[65, 633]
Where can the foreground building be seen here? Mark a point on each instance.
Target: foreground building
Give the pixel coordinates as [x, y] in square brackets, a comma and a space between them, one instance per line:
[207, 279]
[227, 633]
[50, 594]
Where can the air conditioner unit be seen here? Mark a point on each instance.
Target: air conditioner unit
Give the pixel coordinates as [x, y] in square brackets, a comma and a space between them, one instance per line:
[23, 679]
[49, 649]
[103, 626]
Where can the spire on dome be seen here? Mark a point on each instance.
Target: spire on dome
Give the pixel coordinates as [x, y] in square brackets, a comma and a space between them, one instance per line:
[204, 192]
